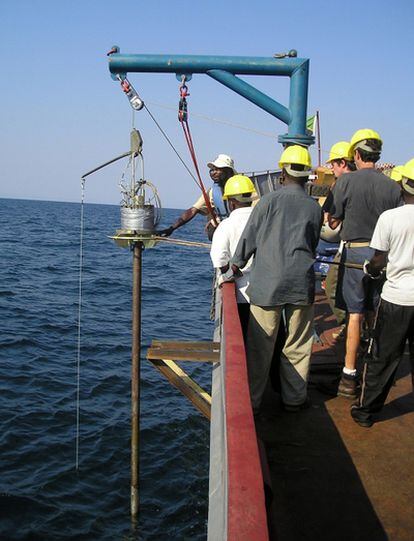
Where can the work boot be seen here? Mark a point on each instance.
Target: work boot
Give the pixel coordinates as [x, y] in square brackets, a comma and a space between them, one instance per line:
[348, 386]
[363, 419]
[345, 385]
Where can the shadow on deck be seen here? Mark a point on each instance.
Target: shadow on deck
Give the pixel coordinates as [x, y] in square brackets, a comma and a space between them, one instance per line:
[333, 480]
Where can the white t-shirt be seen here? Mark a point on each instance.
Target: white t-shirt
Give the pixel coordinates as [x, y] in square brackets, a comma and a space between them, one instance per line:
[394, 233]
[224, 244]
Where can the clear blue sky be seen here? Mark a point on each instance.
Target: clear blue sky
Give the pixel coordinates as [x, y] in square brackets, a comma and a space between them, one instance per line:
[61, 113]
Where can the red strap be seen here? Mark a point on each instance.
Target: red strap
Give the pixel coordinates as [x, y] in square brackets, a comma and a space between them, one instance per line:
[182, 117]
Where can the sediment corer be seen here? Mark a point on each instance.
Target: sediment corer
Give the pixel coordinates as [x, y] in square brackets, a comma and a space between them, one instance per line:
[136, 102]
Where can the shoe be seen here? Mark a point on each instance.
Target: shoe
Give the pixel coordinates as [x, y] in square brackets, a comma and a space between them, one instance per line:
[358, 417]
[348, 386]
[293, 408]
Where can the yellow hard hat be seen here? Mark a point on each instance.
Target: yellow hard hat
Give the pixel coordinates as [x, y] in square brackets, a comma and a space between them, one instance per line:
[408, 176]
[396, 173]
[297, 155]
[238, 185]
[360, 136]
[340, 151]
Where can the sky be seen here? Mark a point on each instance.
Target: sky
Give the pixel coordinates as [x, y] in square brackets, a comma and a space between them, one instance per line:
[62, 114]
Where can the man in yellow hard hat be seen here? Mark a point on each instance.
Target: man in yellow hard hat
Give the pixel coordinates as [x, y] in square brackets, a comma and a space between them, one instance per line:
[239, 192]
[359, 199]
[221, 169]
[281, 235]
[341, 162]
[393, 244]
[396, 173]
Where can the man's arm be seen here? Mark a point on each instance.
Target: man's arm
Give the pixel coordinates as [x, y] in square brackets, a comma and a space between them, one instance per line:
[381, 243]
[336, 211]
[185, 217]
[377, 263]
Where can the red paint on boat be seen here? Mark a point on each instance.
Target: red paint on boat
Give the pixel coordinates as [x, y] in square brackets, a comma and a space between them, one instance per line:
[246, 501]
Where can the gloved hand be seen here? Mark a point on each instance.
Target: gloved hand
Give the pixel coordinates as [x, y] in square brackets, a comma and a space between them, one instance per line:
[236, 271]
[367, 271]
[166, 232]
[225, 277]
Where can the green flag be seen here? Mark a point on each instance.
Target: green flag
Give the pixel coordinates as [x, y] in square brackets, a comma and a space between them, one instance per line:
[311, 123]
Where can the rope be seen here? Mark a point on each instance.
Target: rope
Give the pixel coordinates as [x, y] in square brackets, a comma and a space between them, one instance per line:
[348, 265]
[219, 121]
[184, 242]
[183, 119]
[188, 138]
[79, 327]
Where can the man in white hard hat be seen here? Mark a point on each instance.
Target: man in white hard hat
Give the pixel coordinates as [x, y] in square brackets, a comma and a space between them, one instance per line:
[221, 169]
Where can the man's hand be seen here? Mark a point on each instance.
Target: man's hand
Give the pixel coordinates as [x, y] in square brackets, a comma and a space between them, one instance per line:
[166, 232]
[226, 277]
[374, 274]
[236, 271]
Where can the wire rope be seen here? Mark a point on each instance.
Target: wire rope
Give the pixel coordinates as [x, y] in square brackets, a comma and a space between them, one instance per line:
[78, 355]
[219, 121]
[172, 146]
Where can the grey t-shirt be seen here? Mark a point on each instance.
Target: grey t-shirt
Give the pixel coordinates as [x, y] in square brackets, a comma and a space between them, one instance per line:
[282, 233]
[359, 198]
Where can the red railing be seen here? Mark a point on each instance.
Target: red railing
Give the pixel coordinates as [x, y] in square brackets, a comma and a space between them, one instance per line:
[246, 519]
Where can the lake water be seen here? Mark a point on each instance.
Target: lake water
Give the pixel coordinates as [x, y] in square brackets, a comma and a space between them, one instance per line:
[42, 497]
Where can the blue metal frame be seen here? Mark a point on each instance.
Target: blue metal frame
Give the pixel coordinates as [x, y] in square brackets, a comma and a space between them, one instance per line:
[224, 69]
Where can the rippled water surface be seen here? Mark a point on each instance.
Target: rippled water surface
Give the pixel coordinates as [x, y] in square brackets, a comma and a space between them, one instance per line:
[42, 497]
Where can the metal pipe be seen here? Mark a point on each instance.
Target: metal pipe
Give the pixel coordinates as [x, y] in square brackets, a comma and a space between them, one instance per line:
[298, 100]
[318, 134]
[252, 94]
[120, 64]
[135, 376]
[224, 69]
[124, 155]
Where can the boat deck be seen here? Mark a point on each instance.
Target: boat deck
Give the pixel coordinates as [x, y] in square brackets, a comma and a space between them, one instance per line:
[332, 479]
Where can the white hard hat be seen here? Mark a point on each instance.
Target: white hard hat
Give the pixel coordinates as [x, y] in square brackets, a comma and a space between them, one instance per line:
[221, 161]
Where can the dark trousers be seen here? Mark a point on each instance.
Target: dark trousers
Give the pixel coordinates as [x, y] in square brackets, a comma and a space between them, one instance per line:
[244, 314]
[395, 324]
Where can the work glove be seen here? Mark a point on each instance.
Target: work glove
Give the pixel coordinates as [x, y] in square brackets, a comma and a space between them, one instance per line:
[166, 232]
[225, 277]
[367, 271]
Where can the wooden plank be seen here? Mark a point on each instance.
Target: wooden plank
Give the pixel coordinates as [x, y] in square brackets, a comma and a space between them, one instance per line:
[185, 384]
[174, 344]
[183, 355]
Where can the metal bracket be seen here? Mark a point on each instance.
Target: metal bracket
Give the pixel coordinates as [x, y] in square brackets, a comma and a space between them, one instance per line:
[225, 69]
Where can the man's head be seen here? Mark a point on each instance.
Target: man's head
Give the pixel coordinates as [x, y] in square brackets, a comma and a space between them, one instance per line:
[366, 146]
[222, 169]
[340, 158]
[296, 165]
[239, 192]
[407, 182]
